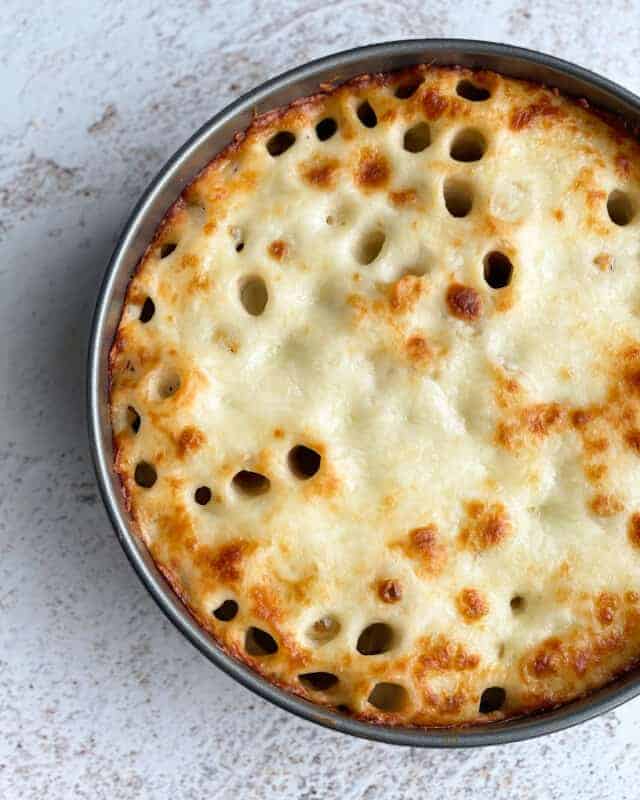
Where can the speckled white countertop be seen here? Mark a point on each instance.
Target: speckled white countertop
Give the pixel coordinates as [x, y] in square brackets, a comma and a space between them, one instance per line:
[99, 696]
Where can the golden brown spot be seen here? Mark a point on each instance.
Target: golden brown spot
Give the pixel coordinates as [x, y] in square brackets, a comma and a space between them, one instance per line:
[175, 534]
[321, 173]
[404, 198]
[464, 302]
[632, 439]
[373, 170]
[507, 389]
[190, 440]
[581, 418]
[405, 292]
[633, 529]
[189, 260]
[388, 502]
[471, 605]
[434, 104]
[607, 603]
[200, 282]
[632, 377]
[532, 422]
[523, 117]
[546, 659]
[209, 228]
[507, 436]
[439, 654]
[389, 591]
[541, 418]
[596, 445]
[442, 704]
[418, 348]
[265, 607]
[580, 661]
[278, 249]
[226, 561]
[558, 213]
[631, 597]
[595, 197]
[606, 505]
[486, 526]
[595, 472]
[278, 433]
[425, 546]
[302, 590]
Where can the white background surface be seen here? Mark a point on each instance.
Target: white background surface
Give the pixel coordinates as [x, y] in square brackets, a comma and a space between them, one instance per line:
[99, 696]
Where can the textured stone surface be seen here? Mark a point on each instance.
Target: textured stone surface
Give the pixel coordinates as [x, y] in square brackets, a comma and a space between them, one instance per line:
[99, 696]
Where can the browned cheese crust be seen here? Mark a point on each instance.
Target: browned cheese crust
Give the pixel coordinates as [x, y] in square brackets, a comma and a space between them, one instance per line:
[375, 396]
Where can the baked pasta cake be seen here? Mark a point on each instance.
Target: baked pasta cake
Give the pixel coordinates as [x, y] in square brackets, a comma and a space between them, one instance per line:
[375, 395]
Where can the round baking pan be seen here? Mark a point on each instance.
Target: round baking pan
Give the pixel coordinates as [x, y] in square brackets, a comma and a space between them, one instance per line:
[179, 170]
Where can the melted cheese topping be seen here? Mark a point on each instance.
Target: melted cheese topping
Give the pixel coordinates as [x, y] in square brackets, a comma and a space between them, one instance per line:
[376, 397]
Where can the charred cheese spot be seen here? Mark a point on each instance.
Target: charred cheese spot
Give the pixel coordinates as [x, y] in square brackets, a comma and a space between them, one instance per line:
[389, 591]
[278, 249]
[484, 527]
[464, 302]
[471, 605]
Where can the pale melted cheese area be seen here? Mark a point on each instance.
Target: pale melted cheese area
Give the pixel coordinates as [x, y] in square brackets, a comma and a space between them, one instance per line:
[406, 442]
